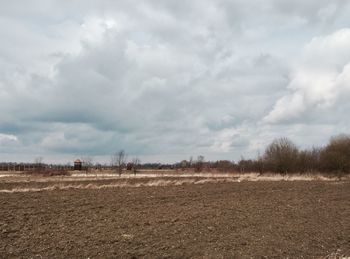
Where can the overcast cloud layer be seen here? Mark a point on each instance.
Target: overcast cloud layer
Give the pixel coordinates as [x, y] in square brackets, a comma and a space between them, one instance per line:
[165, 80]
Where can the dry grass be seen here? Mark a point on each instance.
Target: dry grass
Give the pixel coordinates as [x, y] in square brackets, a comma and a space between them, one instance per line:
[64, 180]
[47, 172]
[288, 177]
[120, 185]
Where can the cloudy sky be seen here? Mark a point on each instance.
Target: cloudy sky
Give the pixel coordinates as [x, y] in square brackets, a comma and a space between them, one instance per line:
[166, 80]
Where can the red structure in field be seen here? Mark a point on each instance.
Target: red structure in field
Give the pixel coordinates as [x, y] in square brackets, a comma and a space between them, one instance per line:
[78, 165]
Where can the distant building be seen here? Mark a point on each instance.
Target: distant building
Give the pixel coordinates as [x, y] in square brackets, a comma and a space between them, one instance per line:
[78, 165]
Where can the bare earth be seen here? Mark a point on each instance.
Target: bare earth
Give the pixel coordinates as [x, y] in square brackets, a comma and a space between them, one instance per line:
[262, 219]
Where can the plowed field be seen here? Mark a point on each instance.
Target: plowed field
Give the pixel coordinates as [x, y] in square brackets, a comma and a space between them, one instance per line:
[208, 220]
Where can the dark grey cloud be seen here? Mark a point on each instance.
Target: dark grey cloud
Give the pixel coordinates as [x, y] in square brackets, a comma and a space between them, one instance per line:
[169, 79]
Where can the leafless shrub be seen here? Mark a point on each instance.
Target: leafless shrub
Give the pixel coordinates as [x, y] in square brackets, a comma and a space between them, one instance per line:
[199, 164]
[87, 163]
[135, 164]
[224, 165]
[335, 157]
[309, 160]
[184, 164]
[281, 156]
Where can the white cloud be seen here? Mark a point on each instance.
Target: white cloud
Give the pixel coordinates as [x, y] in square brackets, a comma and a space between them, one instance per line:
[7, 138]
[319, 81]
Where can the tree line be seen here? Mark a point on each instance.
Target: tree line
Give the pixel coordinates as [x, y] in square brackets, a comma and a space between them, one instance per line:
[280, 156]
[284, 157]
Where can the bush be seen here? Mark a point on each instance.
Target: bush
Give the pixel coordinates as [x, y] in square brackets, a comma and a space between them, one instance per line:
[281, 156]
[335, 157]
[224, 166]
[309, 160]
[199, 164]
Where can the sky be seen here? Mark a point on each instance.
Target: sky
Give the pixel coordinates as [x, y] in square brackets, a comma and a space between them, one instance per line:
[167, 80]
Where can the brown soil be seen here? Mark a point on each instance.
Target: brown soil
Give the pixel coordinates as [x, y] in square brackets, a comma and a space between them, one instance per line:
[222, 220]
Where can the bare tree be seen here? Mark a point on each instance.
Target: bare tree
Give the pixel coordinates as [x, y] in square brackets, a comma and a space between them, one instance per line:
[87, 163]
[38, 161]
[135, 164]
[199, 164]
[241, 164]
[190, 162]
[118, 160]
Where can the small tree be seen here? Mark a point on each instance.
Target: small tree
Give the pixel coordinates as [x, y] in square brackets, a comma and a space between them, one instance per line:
[184, 164]
[199, 164]
[242, 164]
[87, 163]
[38, 161]
[190, 162]
[118, 160]
[135, 164]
